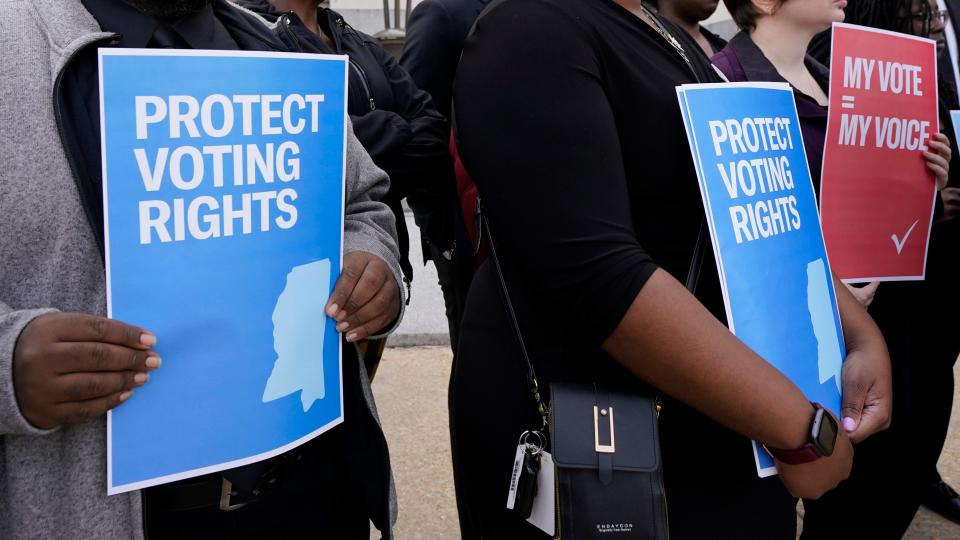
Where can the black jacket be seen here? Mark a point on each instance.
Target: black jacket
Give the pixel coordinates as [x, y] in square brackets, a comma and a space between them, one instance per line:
[365, 448]
[394, 120]
[435, 35]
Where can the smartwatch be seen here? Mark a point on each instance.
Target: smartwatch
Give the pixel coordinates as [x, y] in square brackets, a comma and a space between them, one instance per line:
[820, 443]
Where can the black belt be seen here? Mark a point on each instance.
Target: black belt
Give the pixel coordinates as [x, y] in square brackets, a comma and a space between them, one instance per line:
[215, 491]
[204, 492]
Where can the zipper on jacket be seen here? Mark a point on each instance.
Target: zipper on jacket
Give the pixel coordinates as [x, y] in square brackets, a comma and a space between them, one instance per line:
[344, 27]
[285, 23]
[363, 81]
[58, 117]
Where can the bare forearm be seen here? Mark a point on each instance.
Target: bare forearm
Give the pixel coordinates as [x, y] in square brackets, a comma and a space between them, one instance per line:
[670, 340]
[860, 332]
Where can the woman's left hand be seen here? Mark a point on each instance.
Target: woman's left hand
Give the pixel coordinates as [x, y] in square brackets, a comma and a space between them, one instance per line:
[938, 158]
[867, 394]
[867, 401]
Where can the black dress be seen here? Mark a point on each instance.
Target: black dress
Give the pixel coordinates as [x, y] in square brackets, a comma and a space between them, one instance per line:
[569, 123]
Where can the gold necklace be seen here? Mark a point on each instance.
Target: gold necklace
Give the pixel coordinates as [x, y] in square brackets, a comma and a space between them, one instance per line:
[658, 26]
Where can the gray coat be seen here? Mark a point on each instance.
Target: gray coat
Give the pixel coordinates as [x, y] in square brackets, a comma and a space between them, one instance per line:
[53, 483]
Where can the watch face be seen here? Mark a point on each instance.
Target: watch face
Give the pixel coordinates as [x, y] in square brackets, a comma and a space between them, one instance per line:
[824, 435]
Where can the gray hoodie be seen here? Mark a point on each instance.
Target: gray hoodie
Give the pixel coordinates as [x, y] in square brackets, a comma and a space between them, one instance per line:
[53, 483]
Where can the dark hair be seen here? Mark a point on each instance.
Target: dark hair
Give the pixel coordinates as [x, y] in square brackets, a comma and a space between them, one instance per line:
[743, 12]
[895, 15]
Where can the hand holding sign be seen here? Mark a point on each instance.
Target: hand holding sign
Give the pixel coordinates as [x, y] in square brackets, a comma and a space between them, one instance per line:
[951, 203]
[70, 368]
[864, 294]
[867, 403]
[938, 158]
[366, 297]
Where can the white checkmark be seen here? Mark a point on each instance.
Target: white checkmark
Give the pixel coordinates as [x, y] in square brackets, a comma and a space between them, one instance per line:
[899, 243]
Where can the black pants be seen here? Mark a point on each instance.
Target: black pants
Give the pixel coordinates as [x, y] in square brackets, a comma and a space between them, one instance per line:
[341, 484]
[455, 274]
[314, 500]
[890, 469]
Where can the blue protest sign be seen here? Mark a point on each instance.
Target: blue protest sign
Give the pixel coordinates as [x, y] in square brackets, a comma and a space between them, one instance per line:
[223, 177]
[955, 119]
[765, 227]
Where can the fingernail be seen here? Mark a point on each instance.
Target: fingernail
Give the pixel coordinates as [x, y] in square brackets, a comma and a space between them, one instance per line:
[153, 362]
[126, 395]
[333, 309]
[351, 337]
[342, 327]
[148, 340]
[341, 316]
[849, 424]
[141, 378]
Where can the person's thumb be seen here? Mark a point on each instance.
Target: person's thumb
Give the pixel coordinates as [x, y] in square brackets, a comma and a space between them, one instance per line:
[851, 409]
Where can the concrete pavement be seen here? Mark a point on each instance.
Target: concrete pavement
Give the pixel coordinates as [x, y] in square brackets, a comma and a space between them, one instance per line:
[411, 393]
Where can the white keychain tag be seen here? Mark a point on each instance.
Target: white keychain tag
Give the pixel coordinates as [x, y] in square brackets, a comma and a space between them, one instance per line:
[544, 514]
[515, 475]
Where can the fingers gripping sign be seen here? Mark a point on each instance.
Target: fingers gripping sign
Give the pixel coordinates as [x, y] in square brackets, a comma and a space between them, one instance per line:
[366, 297]
[938, 157]
[867, 391]
[70, 368]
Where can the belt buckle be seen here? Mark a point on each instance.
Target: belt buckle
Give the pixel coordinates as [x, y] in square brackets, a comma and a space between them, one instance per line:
[226, 497]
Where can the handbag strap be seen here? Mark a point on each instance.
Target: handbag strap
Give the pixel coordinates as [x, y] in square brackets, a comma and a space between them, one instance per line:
[483, 226]
[693, 279]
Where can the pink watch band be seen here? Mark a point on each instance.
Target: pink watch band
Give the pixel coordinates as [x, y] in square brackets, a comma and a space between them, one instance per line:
[814, 449]
[796, 456]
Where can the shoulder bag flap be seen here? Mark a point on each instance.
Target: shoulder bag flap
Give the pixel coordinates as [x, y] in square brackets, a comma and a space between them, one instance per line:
[622, 433]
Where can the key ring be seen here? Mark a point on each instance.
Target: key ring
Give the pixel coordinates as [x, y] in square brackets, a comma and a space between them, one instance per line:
[533, 448]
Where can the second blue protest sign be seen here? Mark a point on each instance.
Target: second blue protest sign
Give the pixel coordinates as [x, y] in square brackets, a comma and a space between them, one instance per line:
[765, 227]
[223, 182]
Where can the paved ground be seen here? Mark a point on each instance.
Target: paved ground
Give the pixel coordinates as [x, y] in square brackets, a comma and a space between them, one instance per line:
[411, 391]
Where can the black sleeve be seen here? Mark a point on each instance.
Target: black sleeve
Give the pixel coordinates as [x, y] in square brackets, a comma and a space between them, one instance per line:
[539, 138]
[422, 164]
[381, 132]
[430, 53]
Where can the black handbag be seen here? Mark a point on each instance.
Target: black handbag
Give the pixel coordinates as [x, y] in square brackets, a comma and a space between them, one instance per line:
[608, 470]
[604, 441]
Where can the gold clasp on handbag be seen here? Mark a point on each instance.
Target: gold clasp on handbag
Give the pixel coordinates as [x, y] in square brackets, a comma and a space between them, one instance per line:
[603, 448]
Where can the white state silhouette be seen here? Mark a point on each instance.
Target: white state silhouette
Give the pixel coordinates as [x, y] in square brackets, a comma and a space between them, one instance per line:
[298, 329]
[829, 355]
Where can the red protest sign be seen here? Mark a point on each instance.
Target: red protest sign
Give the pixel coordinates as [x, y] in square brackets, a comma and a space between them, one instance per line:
[877, 194]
